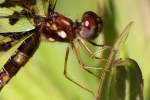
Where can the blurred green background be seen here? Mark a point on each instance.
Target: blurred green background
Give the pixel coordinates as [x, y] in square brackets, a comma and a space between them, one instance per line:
[42, 77]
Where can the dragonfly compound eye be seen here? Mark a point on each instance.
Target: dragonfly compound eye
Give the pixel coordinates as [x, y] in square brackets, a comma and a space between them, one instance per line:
[91, 25]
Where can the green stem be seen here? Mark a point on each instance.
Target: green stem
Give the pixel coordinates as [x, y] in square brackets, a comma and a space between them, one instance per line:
[111, 59]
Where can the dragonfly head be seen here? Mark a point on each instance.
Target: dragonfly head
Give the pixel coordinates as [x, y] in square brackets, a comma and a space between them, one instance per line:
[91, 25]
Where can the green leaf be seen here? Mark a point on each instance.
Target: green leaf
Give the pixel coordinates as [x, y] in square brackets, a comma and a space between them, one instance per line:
[125, 82]
[132, 78]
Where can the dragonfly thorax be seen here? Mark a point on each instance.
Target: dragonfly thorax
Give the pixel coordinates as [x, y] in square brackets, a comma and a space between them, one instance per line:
[59, 28]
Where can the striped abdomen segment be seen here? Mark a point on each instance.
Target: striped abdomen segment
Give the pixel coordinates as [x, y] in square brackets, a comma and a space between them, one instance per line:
[19, 59]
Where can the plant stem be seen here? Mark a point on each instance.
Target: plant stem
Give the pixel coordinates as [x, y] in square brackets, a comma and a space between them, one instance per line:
[111, 59]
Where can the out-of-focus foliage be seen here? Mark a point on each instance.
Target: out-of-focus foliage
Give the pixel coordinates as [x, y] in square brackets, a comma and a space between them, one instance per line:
[137, 46]
[42, 77]
[124, 79]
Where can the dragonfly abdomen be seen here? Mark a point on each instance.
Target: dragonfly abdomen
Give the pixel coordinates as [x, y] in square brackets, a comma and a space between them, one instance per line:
[19, 59]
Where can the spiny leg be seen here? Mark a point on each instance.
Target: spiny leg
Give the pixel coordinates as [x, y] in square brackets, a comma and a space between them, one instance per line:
[19, 59]
[83, 66]
[67, 77]
[90, 53]
[51, 6]
[54, 5]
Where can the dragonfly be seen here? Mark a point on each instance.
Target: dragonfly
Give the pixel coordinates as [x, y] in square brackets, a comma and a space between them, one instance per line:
[52, 26]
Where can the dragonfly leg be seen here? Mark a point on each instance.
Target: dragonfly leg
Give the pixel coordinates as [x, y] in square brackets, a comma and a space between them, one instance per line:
[70, 79]
[84, 66]
[92, 54]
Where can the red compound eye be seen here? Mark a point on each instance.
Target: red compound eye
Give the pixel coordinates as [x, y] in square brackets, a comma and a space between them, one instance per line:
[91, 25]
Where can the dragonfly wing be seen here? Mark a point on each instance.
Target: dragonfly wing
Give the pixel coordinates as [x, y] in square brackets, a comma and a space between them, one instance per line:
[29, 9]
[22, 3]
[8, 40]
